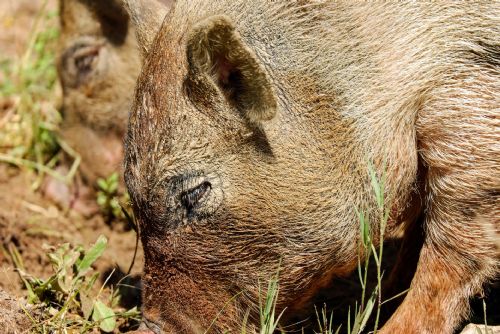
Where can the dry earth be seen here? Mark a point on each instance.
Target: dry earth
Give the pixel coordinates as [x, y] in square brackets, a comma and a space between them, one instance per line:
[28, 221]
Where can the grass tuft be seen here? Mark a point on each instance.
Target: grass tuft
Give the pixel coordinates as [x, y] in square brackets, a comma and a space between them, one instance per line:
[68, 300]
[267, 307]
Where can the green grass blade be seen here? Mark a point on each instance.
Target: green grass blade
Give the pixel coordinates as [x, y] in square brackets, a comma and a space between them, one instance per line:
[92, 255]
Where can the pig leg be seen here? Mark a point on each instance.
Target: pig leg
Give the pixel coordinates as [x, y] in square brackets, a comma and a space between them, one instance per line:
[461, 221]
[404, 269]
[447, 275]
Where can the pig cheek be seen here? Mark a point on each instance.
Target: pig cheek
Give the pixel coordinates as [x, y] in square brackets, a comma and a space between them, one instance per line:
[176, 302]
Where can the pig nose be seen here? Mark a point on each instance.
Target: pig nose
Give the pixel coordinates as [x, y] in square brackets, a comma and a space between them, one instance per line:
[176, 322]
[147, 327]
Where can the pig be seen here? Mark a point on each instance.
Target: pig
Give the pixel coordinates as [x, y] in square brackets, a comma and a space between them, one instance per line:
[251, 136]
[98, 63]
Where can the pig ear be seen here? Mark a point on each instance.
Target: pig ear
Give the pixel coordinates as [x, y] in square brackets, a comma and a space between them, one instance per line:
[216, 49]
[104, 18]
[147, 17]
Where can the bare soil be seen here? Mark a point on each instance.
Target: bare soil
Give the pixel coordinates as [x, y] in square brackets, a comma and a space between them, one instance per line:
[13, 319]
[16, 18]
[28, 221]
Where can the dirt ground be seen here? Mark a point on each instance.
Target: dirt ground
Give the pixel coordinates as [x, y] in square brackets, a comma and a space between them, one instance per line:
[28, 221]
[16, 18]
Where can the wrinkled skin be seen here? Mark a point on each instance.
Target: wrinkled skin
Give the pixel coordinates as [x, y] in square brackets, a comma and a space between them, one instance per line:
[249, 143]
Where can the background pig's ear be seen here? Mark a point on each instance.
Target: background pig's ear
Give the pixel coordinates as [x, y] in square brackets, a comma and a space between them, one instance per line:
[95, 18]
[87, 29]
[215, 48]
[147, 17]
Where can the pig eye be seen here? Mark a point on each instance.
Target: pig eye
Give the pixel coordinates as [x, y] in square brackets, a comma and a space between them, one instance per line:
[82, 61]
[191, 198]
[85, 59]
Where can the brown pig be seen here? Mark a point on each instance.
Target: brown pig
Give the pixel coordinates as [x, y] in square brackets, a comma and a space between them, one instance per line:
[250, 139]
[98, 63]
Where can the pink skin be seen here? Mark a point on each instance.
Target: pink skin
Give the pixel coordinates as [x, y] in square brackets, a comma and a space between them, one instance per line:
[101, 156]
[75, 196]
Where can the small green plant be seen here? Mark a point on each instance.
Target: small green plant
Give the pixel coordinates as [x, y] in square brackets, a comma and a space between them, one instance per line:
[269, 322]
[325, 323]
[109, 199]
[267, 308]
[363, 312]
[68, 299]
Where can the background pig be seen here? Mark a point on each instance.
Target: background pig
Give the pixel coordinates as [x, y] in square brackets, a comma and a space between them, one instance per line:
[98, 64]
[249, 141]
